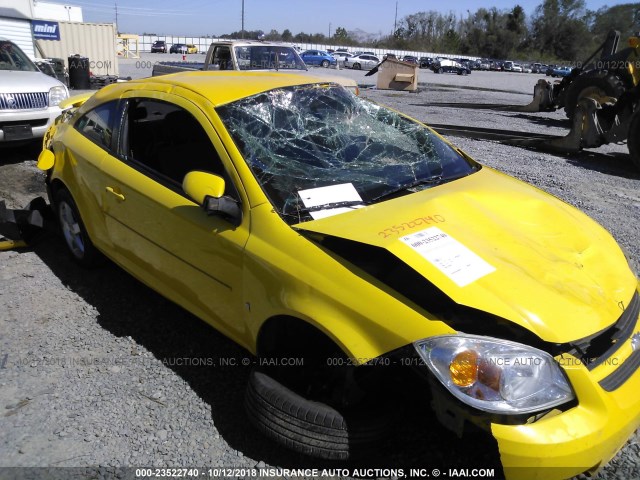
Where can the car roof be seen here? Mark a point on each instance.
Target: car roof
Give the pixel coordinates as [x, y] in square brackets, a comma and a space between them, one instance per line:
[218, 87]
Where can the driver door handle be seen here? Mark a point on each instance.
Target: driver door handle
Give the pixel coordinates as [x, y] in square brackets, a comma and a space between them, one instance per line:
[116, 192]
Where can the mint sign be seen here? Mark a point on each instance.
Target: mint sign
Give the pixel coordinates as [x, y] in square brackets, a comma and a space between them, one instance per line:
[45, 30]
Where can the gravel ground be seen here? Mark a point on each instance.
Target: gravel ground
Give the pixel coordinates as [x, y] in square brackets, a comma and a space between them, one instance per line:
[98, 370]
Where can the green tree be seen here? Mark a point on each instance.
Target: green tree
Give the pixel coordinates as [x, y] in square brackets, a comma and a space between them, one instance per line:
[560, 30]
[273, 36]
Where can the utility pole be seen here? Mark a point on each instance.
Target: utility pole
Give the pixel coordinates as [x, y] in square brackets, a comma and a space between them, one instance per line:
[329, 30]
[116, 4]
[242, 32]
[395, 20]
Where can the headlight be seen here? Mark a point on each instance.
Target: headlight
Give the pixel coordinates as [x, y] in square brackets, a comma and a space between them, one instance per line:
[496, 375]
[57, 95]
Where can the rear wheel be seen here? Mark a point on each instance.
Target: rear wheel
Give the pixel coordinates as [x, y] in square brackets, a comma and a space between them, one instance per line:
[356, 66]
[73, 230]
[633, 138]
[440, 70]
[587, 85]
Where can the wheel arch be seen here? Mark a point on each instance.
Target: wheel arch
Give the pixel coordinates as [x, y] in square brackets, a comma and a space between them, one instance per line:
[289, 335]
[96, 233]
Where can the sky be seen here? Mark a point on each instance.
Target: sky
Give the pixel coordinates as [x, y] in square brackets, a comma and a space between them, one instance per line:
[217, 17]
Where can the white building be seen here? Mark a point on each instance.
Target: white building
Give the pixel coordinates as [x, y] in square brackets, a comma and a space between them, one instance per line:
[16, 17]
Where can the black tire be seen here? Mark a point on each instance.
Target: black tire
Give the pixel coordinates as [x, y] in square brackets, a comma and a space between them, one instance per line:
[633, 138]
[356, 66]
[325, 63]
[583, 85]
[310, 427]
[440, 70]
[74, 232]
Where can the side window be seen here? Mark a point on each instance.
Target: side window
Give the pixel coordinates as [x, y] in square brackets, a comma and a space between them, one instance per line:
[222, 58]
[167, 142]
[97, 124]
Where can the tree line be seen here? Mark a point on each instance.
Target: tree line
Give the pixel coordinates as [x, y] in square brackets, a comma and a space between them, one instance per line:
[558, 30]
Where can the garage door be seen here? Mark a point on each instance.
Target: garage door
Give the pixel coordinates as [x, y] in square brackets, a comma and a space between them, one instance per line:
[19, 32]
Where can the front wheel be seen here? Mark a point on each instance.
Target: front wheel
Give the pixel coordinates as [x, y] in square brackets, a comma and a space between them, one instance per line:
[598, 85]
[73, 230]
[356, 66]
[325, 63]
[312, 427]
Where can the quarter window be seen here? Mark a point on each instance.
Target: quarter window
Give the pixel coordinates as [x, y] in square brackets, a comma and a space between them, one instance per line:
[97, 124]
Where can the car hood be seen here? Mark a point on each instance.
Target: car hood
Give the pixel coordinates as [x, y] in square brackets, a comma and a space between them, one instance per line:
[496, 244]
[14, 81]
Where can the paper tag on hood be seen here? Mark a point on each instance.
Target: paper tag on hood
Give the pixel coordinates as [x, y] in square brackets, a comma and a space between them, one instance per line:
[448, 255]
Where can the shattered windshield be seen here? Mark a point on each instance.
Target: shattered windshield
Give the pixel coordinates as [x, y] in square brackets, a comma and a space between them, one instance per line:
[318, 150]
[268, 57]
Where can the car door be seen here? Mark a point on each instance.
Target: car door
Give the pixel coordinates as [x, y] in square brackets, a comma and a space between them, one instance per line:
[157, 232]
[311, 57]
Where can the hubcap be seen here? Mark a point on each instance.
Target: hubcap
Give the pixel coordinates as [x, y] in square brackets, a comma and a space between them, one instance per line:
[71, 230]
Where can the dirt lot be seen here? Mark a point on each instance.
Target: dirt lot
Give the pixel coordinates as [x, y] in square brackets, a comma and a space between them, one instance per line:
[92, 368]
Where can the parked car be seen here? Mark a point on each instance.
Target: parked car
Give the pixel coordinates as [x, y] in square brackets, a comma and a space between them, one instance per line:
[516, 67]
[341, 55]
[550, 69]
[425, 62]
[361, 62]
[449, 66]
[390, 55]
[537, 68]
[560, 71]
[191, 48]
[308, 224]
[159, 46]
[410, 59]
[29, 99]
[485, 64]
[318, 57]
[179, 48]
[249, 55]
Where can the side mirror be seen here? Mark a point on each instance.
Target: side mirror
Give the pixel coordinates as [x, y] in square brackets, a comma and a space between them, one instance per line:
[207, 190]
[46, 159]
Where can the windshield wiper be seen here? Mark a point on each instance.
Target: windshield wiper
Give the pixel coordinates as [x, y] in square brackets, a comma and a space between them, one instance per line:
[433, 181]
[328, 206]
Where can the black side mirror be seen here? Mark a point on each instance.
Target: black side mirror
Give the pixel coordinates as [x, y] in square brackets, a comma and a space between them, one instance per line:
[226, 207]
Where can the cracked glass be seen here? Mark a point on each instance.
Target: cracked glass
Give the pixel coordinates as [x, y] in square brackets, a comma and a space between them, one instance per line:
[307, 137]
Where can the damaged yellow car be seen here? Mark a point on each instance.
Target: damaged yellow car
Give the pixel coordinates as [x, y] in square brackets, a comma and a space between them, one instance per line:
[338, 241]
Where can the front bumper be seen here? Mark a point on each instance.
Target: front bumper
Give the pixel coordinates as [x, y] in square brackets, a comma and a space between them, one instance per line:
[583, 438]
[40, 120]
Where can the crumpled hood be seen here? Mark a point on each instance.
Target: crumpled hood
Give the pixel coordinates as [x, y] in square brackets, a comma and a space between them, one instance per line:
[496, 244]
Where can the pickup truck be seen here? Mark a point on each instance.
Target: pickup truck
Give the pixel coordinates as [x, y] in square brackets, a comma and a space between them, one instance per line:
[29, 99]
[250, 55]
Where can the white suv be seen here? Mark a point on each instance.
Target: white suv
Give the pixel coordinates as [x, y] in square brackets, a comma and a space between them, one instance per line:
[29, 99]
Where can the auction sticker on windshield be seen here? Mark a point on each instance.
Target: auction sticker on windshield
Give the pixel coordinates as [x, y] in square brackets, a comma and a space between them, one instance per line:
[448, 255]
[330, 197]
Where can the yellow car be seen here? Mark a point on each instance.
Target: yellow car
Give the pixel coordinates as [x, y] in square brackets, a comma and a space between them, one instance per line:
[342, 243]
[191, 48]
